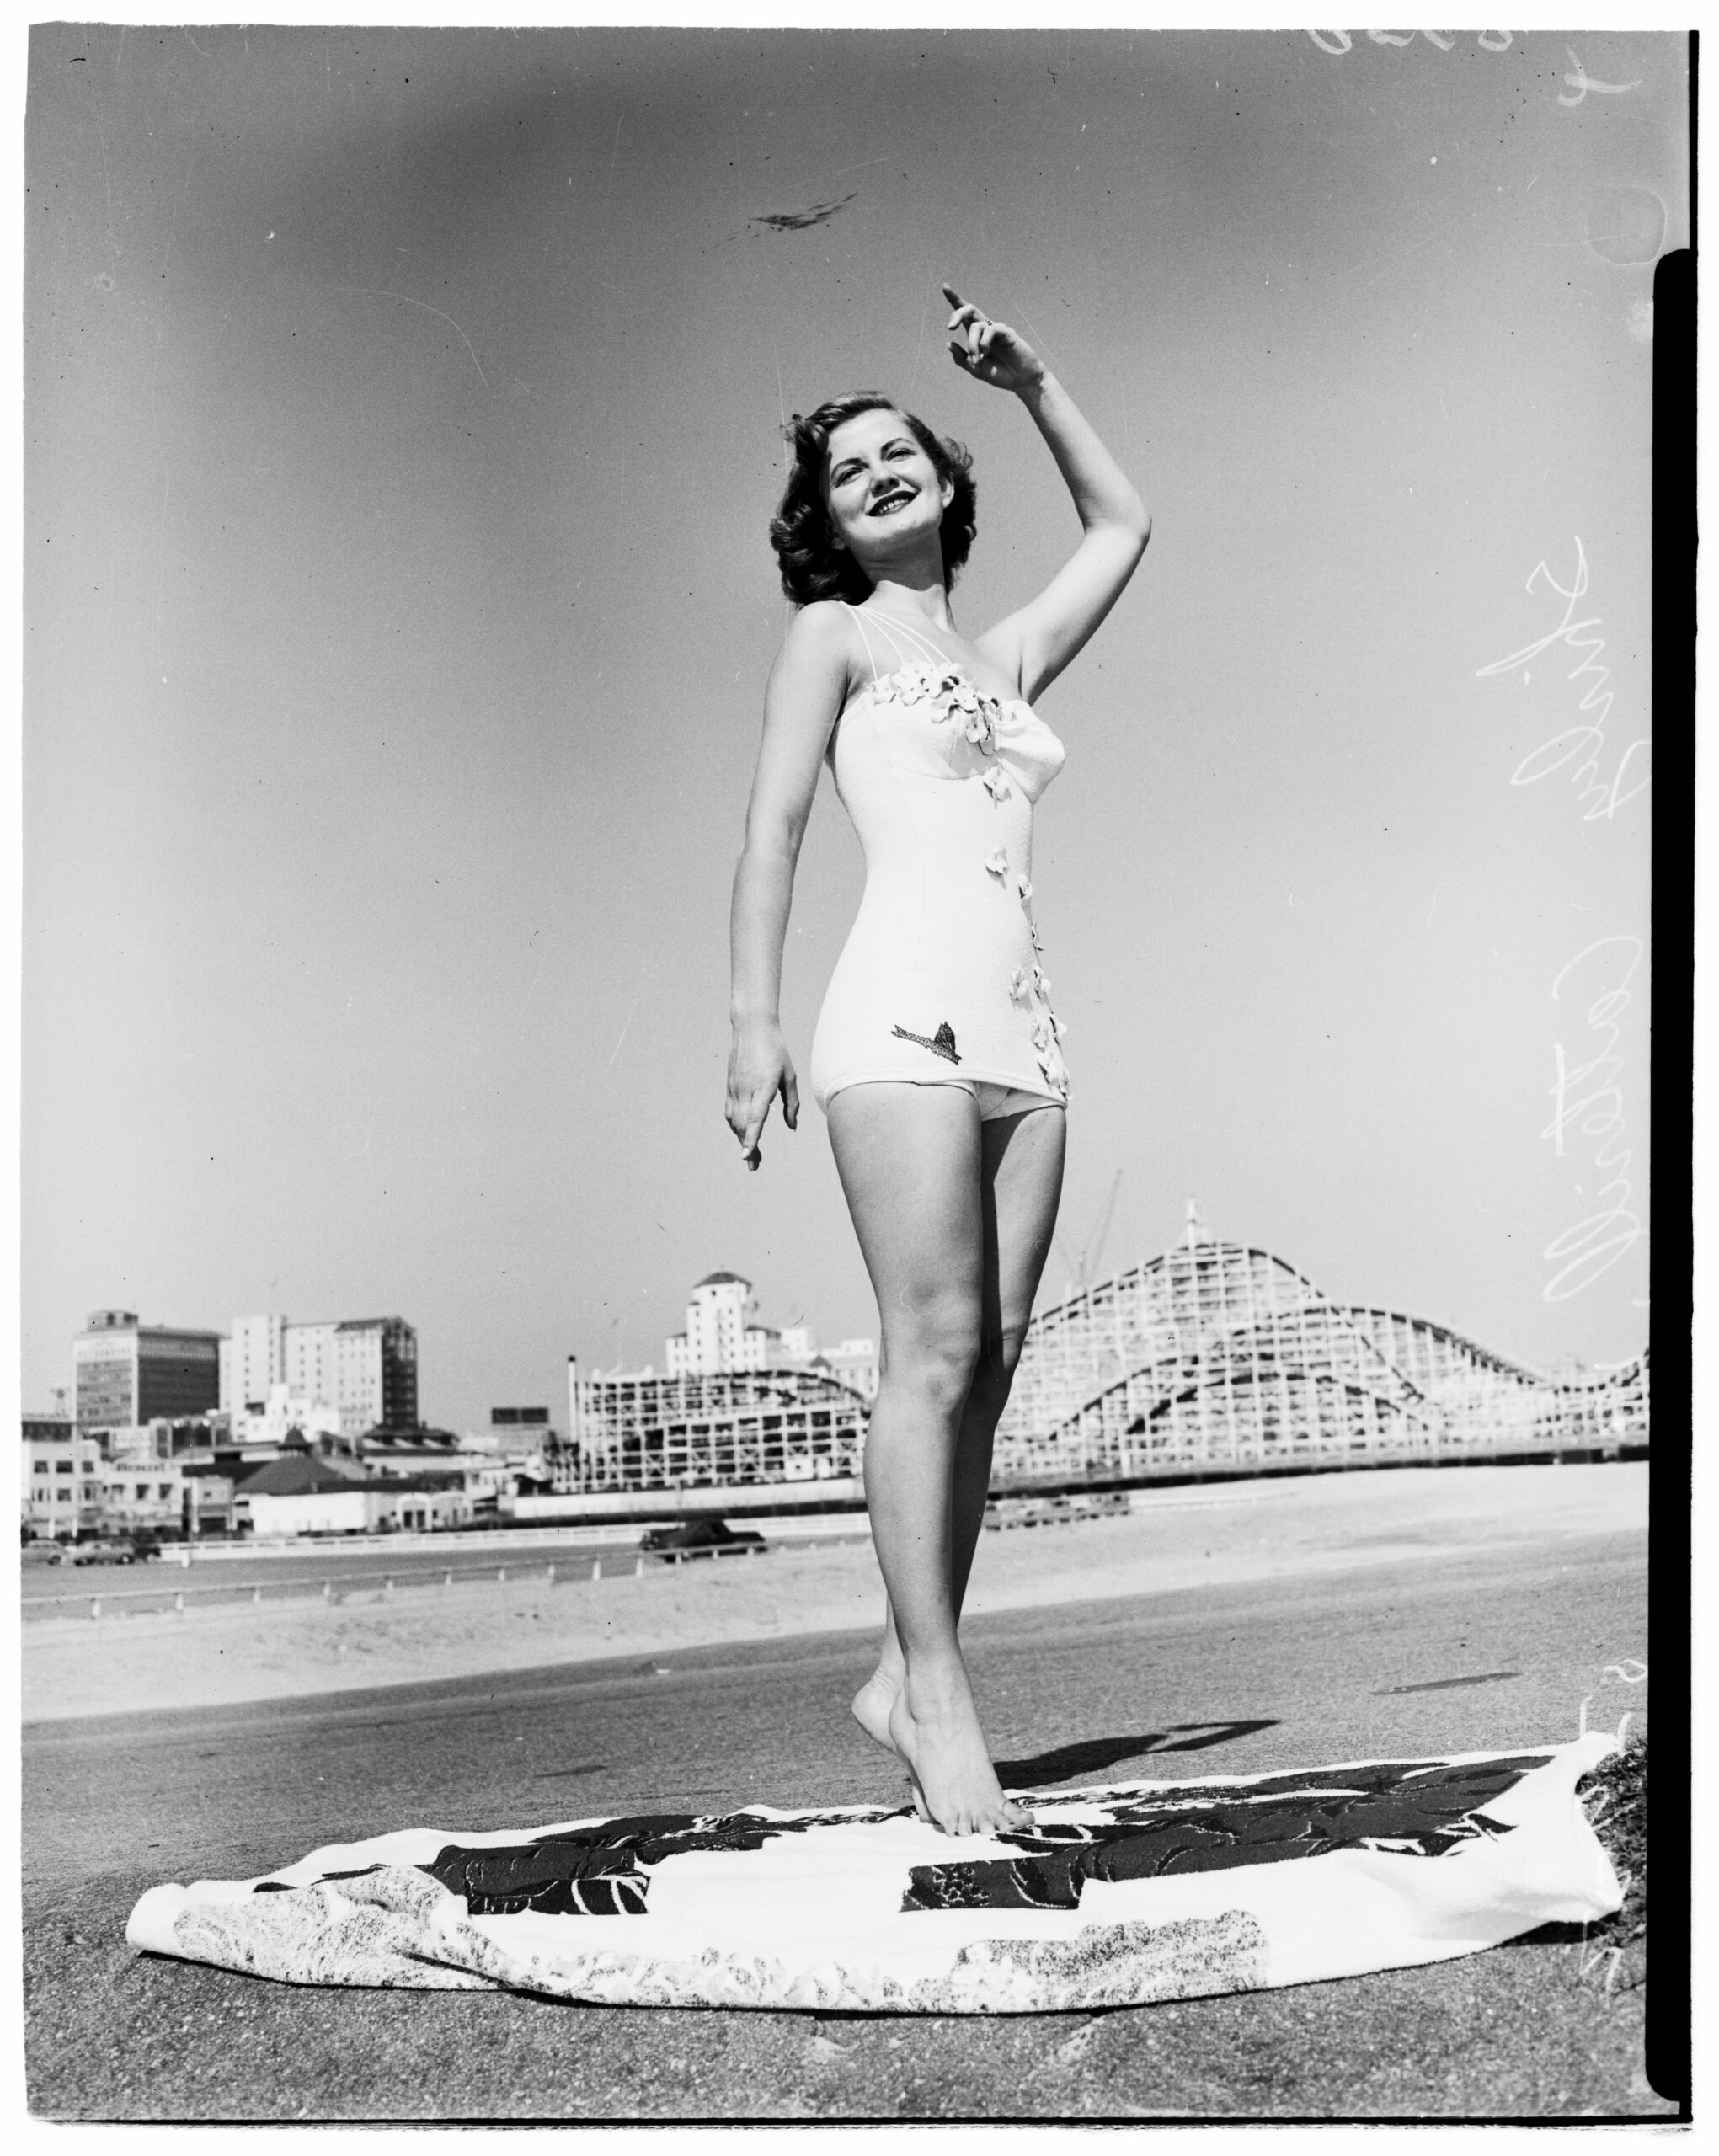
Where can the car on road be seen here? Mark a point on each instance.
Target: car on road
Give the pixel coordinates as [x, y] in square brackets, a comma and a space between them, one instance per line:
[699, 1538]
[99, 1553]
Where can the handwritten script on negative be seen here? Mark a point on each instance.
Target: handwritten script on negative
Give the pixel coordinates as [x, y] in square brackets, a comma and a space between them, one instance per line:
[1581, 751]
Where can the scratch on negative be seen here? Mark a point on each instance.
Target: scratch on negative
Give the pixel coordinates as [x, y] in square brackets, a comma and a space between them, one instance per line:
[924, 309]
[1415, 246]
[167, 484]
[1031, 331]
[621, 1036]
[371, 291]
[101, 135]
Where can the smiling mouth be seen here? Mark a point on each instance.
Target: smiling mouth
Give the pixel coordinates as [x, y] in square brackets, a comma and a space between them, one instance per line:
[890, 504]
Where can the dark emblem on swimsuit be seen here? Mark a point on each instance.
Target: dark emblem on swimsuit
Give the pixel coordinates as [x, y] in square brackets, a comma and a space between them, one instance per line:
[943, 1043]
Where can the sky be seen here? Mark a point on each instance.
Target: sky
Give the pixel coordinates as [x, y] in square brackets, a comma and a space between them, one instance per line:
[402, 429]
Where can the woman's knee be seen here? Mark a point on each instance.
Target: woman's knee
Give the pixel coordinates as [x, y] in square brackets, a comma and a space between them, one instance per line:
[937, 1347]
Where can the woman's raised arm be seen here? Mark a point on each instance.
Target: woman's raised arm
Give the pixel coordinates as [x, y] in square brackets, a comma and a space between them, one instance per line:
[1038, 640]
[807, 687]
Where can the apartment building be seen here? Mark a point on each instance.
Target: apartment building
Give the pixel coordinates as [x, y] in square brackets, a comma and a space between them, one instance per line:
[125, 1373]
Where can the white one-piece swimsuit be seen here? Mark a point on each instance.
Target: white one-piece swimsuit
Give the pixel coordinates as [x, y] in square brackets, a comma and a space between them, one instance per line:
[940, 981]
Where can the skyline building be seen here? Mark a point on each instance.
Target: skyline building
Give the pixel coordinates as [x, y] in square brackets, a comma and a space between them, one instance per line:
[281, 1414]
[124, 1373]
[721, 1336]
[362, 1370]
[720, 1333]
[61, 1477]
[366, 1367]
[253, 1363]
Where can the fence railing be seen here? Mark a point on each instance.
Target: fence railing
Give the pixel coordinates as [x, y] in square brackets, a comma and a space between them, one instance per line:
[174, 1600]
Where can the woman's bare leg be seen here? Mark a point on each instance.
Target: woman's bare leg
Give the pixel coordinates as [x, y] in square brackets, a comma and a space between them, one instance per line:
[954, 1220]
[909, 1158]
[1021, 1172]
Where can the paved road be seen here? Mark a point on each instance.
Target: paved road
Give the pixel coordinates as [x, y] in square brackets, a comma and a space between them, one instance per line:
[1485, 1650]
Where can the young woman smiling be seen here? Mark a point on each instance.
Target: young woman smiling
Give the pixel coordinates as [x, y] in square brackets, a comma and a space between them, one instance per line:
[937, 1058]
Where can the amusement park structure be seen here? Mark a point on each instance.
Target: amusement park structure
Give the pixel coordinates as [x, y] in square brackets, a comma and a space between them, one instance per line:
[1220, 1359]
[1214, 1359]
[718, 1429]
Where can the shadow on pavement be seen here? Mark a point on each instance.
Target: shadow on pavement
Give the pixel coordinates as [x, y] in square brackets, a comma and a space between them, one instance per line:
[1093, 1755]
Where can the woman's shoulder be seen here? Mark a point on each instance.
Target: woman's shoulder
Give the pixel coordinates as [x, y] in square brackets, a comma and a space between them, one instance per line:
[822, 621]
[822, 633]
[819, 654]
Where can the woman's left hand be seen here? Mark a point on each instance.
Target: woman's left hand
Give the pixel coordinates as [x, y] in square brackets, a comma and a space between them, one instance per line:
[990, 351]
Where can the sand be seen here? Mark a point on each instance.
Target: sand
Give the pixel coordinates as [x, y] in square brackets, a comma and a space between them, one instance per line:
[1218, 1535]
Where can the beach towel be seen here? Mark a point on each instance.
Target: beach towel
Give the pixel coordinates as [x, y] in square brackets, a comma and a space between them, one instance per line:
[1120, 1895]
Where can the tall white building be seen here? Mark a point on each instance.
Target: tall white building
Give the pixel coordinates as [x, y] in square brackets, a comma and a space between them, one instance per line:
[308, 1361]
[363, 1370]
[722, 1335]
[253, 1363]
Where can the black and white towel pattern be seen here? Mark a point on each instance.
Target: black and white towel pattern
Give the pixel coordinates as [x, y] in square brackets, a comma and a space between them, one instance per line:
[1119, 1896]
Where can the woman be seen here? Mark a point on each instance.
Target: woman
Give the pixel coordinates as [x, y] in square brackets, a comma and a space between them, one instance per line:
[936, 1060]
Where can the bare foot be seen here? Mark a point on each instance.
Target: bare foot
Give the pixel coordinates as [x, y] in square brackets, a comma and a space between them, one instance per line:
[934, 1725]
[871, 1710]
[871, 1704]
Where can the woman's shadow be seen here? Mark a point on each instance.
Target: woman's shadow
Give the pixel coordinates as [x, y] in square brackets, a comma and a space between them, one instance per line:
[1094, 1754]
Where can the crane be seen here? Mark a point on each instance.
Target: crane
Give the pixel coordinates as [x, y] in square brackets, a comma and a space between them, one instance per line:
[1082, 1266]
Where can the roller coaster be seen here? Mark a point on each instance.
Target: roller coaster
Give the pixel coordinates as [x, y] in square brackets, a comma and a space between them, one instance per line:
[1216, 1358]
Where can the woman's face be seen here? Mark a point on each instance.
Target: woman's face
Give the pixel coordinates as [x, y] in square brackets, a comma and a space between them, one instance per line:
[882, 492]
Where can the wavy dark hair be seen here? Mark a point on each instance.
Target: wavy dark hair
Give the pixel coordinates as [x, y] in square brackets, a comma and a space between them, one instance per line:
[813, 566]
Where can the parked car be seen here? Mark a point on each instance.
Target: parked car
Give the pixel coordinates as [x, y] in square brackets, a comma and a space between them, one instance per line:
[699, 1538]
[98, 1553]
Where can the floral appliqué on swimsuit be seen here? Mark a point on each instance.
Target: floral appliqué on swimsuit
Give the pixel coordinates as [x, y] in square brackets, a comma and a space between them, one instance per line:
[952, 698]
[939, 777]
